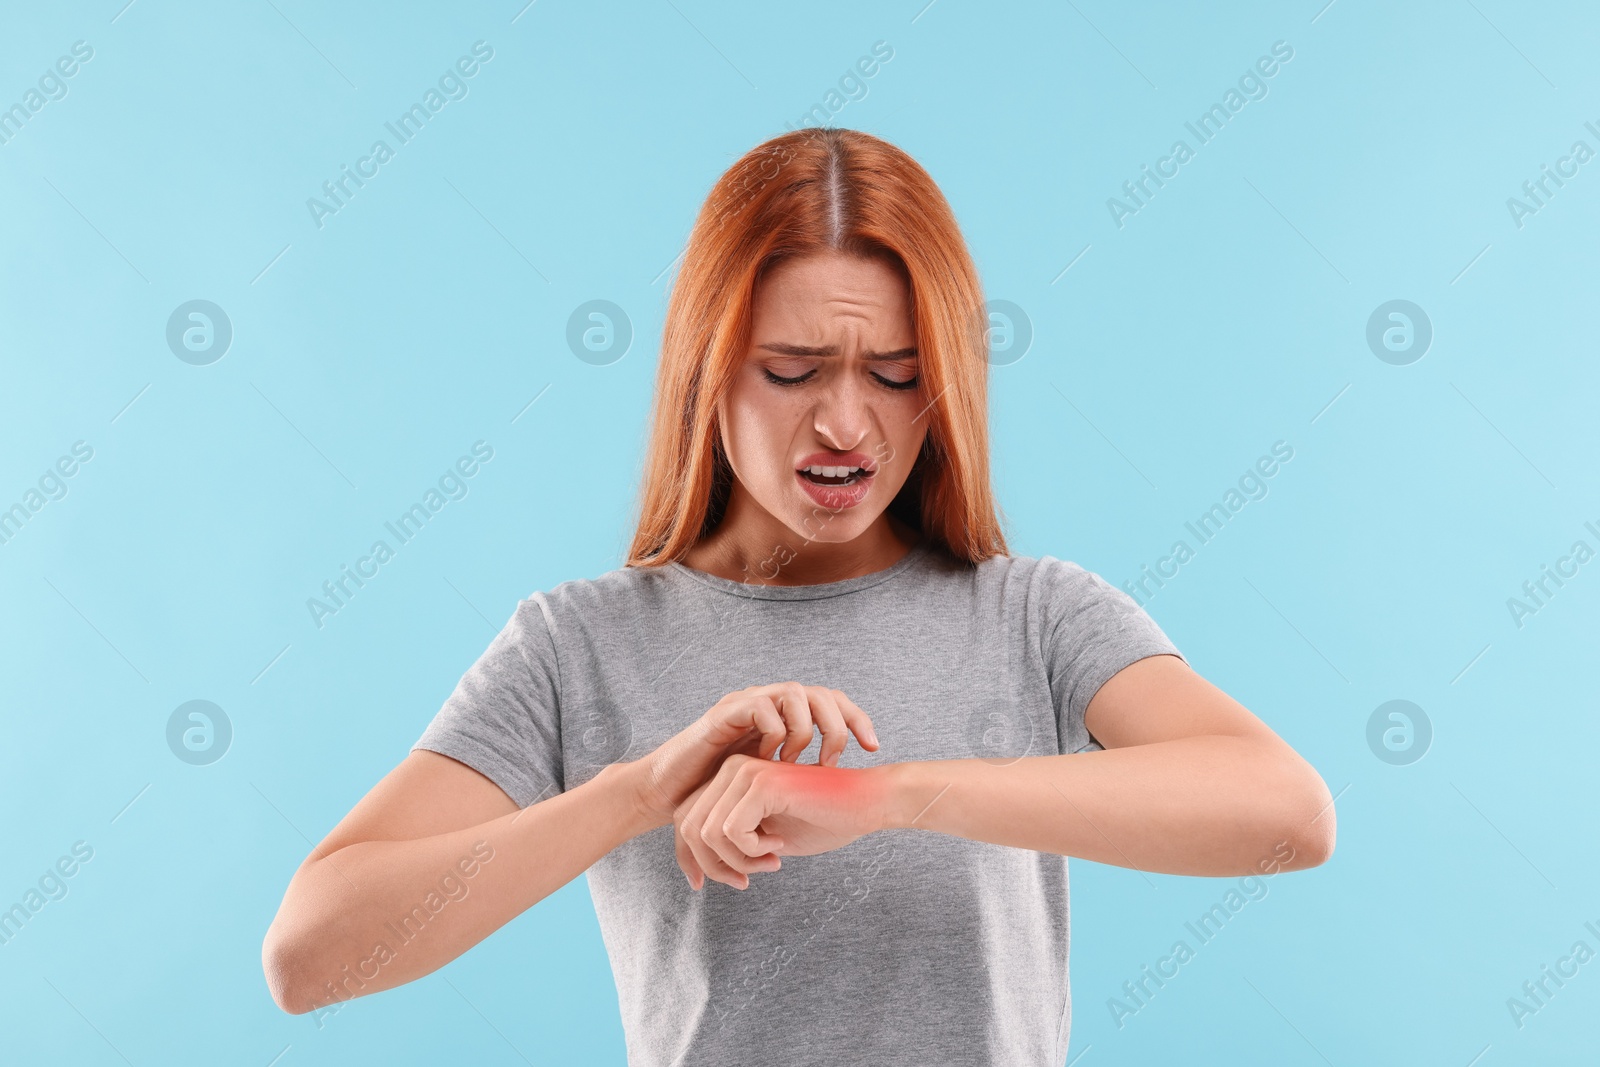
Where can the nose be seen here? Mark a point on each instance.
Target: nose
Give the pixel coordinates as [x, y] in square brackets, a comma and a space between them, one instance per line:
[843, 417]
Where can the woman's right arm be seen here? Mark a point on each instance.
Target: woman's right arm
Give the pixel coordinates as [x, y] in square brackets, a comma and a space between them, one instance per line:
[405, 850]
[437, 856]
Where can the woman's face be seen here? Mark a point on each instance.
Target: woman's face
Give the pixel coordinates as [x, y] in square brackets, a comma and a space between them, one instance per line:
[826, 416]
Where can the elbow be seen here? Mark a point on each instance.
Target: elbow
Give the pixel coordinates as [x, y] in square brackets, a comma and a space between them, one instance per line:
[1291, 809]
[1310, 848]
[1312, 825]
[283, 967]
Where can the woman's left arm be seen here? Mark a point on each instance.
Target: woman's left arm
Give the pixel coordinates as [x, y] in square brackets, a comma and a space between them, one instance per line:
[1189, 783]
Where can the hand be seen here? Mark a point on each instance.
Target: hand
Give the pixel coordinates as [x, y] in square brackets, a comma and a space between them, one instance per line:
[752, 722]
[754, 811]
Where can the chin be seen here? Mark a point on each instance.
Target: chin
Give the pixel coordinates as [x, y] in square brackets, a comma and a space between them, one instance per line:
[831, 534]
[807, 522]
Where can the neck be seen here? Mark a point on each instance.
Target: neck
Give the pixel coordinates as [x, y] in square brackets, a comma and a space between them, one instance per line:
[749, 545]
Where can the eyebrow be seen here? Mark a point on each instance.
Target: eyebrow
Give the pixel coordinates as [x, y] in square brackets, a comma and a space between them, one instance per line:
[783, 349]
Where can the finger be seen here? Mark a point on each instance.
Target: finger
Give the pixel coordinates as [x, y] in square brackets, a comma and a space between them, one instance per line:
[743, 829]
[730, 720]
[692, 829]
[796, 709]
[830, 720]
[705, 859]
[769, 721]
[708, 823]
[860, 722]
[750, 746]
[744, 826]
[686, 861]
[714, 830]
[750, 724]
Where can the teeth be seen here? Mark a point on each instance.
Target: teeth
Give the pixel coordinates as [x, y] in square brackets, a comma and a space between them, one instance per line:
[832, 472]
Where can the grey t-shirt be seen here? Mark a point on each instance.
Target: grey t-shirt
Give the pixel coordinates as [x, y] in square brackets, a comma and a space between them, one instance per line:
[906, 947]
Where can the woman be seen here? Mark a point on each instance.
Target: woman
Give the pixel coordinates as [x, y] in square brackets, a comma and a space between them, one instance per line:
[817, 553]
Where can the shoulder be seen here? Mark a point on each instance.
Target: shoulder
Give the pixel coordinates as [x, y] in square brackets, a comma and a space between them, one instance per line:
[621, 593]
[1058, 593]
[1046, 573]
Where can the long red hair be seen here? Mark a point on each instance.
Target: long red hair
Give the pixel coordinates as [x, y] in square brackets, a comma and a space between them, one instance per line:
[814, 190]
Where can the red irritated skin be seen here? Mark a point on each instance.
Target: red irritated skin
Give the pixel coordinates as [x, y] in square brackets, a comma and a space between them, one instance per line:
[1188, 782]
[772, 809]
[1215, 796]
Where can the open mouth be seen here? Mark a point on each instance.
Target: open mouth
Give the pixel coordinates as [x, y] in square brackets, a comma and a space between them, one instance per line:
[818, 475]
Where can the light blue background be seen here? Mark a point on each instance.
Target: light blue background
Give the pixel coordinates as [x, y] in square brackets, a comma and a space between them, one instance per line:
[369, 354]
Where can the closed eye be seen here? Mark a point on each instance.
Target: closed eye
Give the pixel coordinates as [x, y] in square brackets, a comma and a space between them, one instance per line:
[888, 383]
[909, 383]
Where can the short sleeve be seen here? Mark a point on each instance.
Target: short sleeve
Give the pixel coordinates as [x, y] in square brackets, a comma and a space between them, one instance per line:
[1091, 630]
[503, 718]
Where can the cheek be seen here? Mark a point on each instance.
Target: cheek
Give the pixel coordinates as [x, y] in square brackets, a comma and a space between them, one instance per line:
[759, 429]
[905, 432]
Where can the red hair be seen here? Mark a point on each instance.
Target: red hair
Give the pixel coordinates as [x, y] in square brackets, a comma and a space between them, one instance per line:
[809, 191]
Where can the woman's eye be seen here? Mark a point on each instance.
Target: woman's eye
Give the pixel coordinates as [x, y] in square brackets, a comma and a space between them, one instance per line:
[779, 380]
[888, 383]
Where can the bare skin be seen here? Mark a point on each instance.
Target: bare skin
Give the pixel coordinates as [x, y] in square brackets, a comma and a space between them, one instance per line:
[859, 311]
[1190, 782]
[432, 819]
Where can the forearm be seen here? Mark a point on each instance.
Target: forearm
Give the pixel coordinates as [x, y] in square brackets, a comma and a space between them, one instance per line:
[377, 914]
[1207, 805]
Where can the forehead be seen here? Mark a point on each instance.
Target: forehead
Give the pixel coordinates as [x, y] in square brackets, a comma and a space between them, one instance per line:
[829, 290]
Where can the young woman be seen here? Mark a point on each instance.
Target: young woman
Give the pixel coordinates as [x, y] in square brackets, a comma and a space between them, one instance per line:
[817, 553]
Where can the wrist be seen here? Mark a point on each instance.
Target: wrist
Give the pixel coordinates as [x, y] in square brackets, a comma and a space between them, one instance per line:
[626, 783]
[900, 796]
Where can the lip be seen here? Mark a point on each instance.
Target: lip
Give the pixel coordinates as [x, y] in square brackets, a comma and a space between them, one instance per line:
[838, 497]
[838, 459]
